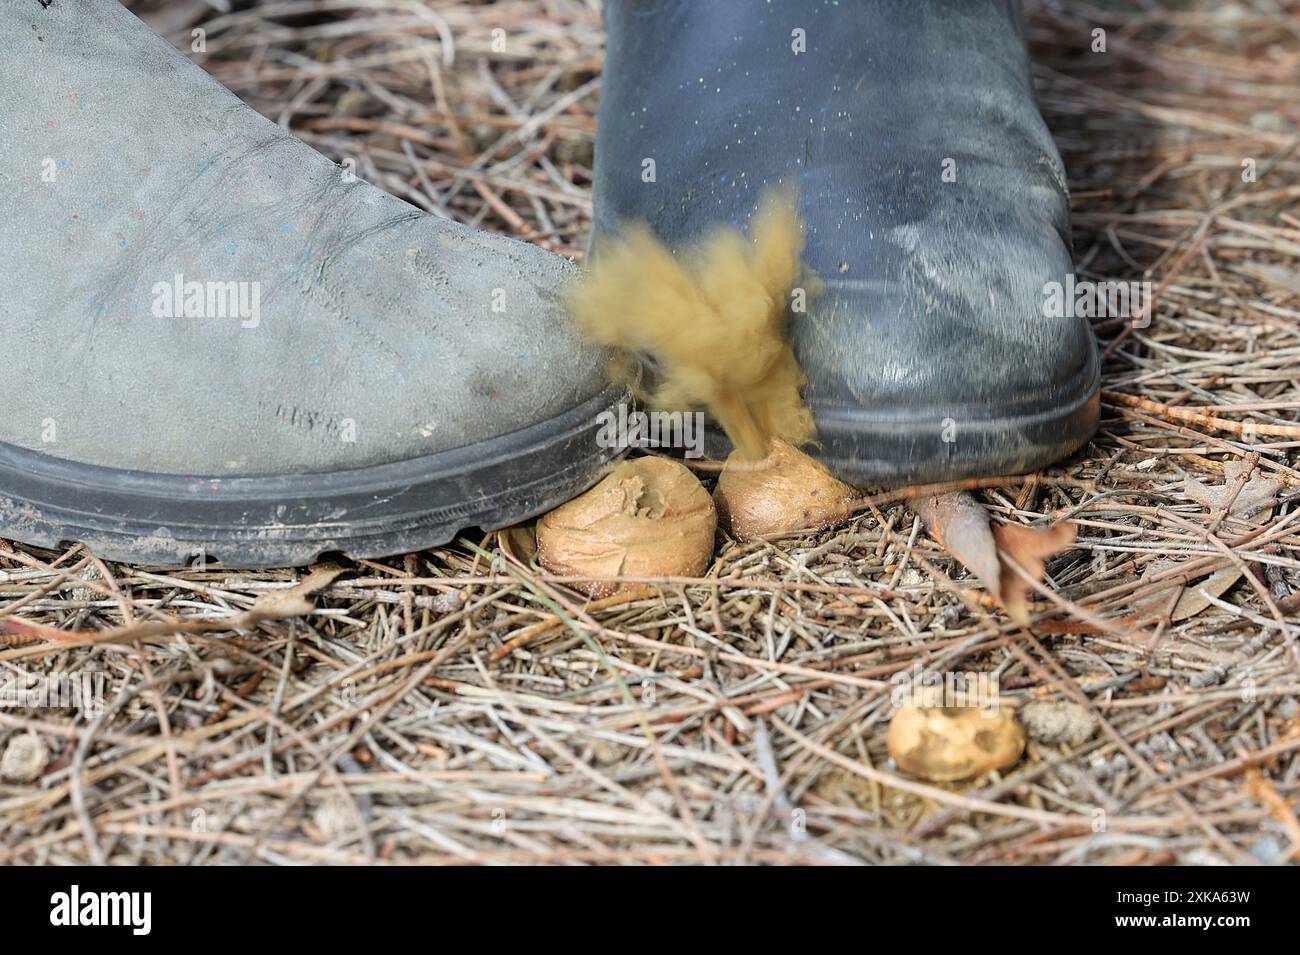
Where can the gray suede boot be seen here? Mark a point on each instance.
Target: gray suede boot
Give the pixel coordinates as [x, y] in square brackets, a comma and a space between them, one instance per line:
[216, 343]
[932, 194]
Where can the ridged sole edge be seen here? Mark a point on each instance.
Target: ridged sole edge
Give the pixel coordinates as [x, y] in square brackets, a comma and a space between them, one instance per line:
[292, 520]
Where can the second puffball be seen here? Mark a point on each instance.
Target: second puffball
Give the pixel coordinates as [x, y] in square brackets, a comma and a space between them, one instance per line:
[785, 492]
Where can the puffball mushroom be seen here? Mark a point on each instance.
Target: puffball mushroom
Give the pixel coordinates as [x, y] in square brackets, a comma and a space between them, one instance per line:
[785, 492]
[952, 743]
[650, 517]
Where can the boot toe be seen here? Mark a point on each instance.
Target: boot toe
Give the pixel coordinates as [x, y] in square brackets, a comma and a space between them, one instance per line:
[940, 361]
[220, 343]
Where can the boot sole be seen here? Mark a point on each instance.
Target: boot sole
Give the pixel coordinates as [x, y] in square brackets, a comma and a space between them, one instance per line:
[906, 446]
[294, 520]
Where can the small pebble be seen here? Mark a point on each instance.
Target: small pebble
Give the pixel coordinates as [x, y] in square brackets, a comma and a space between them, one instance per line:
[25, 759]
[334, 818]
[1055, 723]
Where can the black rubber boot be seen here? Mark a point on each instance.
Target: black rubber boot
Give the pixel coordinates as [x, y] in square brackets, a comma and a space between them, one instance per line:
[218, 344]
[933, 198]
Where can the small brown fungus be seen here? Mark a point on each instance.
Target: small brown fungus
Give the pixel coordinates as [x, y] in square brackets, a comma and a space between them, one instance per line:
[952, 743]
[649, 517]
[785, 492]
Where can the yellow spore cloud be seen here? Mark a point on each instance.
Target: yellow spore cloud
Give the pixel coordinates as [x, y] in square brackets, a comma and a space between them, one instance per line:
[714, 319]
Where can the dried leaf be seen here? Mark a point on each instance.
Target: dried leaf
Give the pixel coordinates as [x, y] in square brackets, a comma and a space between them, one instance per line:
[1030, 547]
[1260, 788]
[1278, 276]
[961, 525]
[1259, 492]
[1191, 594]
[1194, 599]
[292, 601]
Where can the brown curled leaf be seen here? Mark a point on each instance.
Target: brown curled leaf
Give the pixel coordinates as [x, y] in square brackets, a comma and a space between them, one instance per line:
[961, 525]
[1030, 547]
